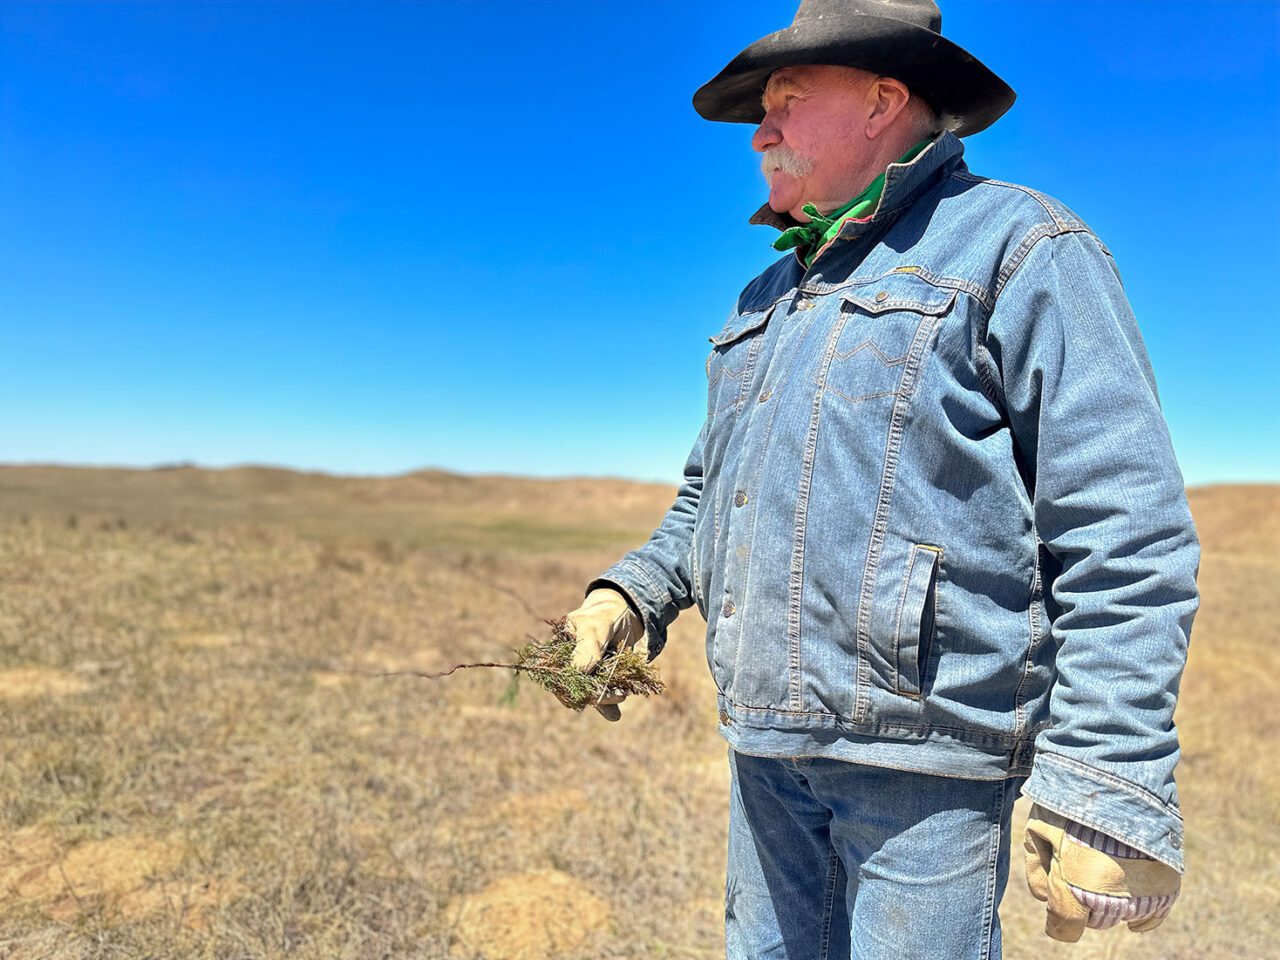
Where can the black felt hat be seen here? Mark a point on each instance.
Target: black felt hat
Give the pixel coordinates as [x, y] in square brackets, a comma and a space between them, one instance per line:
[894, 38]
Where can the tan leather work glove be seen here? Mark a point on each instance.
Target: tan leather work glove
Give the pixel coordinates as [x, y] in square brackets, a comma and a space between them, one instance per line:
[1069, 868]
[605, 623]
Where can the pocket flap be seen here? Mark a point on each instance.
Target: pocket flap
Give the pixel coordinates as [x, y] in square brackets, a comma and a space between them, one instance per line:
[900, 291]
[741, 324]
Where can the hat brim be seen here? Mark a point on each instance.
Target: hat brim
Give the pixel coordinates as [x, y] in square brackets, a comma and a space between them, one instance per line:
[943, 73]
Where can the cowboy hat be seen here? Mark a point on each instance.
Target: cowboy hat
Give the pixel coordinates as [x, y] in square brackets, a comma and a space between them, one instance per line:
[895, 38]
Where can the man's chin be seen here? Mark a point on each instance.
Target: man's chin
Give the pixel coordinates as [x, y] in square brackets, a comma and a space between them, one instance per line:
[783, 208]
[784, 192]
[782, 202]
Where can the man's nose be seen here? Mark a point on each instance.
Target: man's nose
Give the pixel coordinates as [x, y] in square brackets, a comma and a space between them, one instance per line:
[766, 136]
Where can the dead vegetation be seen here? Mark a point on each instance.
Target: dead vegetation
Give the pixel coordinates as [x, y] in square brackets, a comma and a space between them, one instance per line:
[549, 664]
[528, 916]
[194, 768]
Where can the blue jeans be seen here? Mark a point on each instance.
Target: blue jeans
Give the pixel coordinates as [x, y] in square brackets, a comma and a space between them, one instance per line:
[830, 859]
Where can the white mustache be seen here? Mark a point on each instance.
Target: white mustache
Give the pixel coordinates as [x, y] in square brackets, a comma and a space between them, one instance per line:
[785, 159]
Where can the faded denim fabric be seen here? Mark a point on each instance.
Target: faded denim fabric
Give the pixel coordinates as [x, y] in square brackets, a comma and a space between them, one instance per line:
[933, 517]
[829, 860]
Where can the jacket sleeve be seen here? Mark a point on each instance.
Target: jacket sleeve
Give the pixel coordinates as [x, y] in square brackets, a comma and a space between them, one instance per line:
[1110, 507]
[657, 577]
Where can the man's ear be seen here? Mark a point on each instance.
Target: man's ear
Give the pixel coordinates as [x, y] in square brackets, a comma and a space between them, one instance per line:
[886, 98]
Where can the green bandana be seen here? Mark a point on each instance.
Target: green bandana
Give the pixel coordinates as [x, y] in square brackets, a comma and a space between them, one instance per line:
[820, 230]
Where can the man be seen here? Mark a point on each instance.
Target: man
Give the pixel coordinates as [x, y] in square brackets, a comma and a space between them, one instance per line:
[933, 520]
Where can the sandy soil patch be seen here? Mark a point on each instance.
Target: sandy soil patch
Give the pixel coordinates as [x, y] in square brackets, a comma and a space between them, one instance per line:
[528, 916]
[21, 682]
[125, 873]
[325, 680]
[24, 857]
[196, 903]
[68, 883]
[203, 641]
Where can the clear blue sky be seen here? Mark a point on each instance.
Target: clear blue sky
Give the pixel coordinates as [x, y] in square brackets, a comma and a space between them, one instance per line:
[494, 236]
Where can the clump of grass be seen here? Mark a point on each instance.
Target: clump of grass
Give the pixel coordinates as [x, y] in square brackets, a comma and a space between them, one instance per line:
[549, 664]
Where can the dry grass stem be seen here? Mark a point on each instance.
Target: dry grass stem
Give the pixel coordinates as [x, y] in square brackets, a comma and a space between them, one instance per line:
[549, 664]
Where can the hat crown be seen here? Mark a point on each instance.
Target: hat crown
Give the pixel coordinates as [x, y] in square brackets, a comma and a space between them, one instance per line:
[921, 13]
[897, 38]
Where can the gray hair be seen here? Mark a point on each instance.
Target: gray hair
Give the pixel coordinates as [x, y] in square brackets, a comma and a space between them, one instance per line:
[930, 120]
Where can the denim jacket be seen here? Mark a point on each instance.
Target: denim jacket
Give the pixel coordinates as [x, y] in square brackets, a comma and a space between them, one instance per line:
[933, 517]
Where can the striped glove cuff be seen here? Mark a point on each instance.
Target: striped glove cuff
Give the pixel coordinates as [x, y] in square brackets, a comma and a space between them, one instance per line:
[1106, 910]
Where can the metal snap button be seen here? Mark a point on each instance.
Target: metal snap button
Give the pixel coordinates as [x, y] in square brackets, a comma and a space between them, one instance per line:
[1175, 840]
[739, 498]
[765, 396]
[727, 609]
[804, 304]
[882, 296]
[724, 717]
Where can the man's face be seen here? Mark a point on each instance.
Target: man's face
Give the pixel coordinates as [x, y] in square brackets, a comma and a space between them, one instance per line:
[811, 136]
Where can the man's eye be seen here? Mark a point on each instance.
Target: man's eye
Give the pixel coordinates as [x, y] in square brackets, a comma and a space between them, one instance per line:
[781, 100]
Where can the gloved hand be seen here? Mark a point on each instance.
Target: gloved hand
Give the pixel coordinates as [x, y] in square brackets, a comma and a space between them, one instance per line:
[605, 623]
[1091, 880]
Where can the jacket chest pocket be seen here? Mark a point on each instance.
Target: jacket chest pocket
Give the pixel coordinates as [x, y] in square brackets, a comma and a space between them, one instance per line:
[733, 361]
[887, 324]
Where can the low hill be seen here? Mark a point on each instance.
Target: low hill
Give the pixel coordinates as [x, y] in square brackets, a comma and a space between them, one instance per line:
[424, 508]
[441, 508]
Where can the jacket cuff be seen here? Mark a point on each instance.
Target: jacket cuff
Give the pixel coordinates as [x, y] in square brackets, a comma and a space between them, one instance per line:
[654, 605]
[1108, 804]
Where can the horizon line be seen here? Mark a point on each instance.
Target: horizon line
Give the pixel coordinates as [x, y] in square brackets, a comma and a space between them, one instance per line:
[175, 465]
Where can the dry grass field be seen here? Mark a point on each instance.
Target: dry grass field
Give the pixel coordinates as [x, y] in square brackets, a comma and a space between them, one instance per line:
[196, 763]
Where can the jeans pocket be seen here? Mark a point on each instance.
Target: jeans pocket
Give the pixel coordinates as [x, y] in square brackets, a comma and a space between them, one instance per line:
[913, 629]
